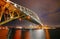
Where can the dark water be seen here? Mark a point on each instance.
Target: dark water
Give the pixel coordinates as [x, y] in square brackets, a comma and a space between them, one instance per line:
[54, 33]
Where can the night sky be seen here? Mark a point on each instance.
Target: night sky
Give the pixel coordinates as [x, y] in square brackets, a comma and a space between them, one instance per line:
[47, 10]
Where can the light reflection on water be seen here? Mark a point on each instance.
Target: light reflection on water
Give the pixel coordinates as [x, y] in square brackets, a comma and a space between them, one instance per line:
[37, 34]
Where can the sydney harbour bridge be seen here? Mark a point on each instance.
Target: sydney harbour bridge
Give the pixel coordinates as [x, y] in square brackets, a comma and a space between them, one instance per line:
[10, 11]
